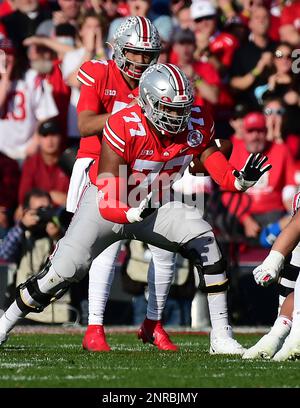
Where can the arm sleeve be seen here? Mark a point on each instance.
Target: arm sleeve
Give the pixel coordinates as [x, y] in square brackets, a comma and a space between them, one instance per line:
[113, 190]
[220, 170]
[112, 199]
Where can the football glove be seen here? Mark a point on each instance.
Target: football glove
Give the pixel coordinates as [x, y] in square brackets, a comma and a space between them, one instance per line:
[137, 214]
[268, 271]
[251, 172]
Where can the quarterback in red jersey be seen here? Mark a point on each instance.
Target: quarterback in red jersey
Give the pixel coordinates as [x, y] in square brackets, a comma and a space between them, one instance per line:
[107, 87]
[165, 127]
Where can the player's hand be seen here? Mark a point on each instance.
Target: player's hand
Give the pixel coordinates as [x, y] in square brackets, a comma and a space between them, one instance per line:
[268, 271]
[142, 211]
[251, 172]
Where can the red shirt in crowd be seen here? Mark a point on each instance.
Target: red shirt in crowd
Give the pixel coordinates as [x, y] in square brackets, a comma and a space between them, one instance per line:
[61, 93]
[210, 75]
[37, 174]
[266, 195]
[9, 182]
[291, 14]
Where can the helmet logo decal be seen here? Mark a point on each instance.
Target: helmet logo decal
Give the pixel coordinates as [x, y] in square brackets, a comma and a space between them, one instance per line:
[194, 138]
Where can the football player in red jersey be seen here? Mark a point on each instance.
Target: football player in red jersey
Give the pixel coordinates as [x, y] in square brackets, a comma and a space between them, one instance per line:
[107, 87]
[151, 143]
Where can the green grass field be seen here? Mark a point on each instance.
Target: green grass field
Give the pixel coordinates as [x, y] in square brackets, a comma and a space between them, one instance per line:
[57, 360]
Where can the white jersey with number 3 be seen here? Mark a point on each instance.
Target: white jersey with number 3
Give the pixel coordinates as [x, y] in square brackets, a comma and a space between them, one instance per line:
[29, 100]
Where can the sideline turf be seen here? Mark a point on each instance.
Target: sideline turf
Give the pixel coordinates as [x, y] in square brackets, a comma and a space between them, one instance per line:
[57, 360]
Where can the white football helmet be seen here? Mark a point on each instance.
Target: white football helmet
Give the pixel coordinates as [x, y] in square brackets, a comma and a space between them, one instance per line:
[136, 34]
[166, 97]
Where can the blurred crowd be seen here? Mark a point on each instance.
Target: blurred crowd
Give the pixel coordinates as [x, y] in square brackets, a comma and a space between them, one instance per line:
[240, 55]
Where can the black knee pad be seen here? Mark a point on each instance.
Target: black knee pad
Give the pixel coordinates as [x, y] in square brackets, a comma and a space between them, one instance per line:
[291, 273]
[41, 300]
[214, 269]
[217, 268]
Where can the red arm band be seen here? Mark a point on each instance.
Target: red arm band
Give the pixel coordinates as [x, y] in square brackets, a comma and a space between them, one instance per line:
[112, 199]
[220, 170]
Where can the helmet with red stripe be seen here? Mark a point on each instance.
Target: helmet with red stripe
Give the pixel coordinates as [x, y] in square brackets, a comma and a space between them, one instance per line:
[136, 34]
[166, 96]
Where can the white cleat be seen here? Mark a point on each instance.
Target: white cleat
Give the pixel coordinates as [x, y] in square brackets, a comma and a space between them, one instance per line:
[290, 349]
[3, 338]
[221, 342]
[265, 348]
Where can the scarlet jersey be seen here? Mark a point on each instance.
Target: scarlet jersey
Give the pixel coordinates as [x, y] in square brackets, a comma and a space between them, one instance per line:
[103, 90]
[129, 134]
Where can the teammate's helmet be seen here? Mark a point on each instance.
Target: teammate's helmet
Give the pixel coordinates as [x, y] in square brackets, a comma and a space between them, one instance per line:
[166, 96]
[136, 34]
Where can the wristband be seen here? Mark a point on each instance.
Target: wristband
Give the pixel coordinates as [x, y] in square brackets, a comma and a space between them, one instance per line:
[274, 260]
[255, 72]
[198, 81]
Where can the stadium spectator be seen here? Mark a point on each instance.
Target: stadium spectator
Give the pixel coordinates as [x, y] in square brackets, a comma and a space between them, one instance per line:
[271, 198]
[251, 63]
[30, 242]
[165, 28]
[91, 46]
[62, 41]
[25, 99]
[6, 7]
[282, 82]
[23, 22]
[9, 184]
[109, 10]
[274, 112]
[283, 127]
[210, 41]
[216, 47]
[42, 170]
[203, 75]
[237, 123]
[68, 13]
[181, 12]
[43, 60]
[289, 23]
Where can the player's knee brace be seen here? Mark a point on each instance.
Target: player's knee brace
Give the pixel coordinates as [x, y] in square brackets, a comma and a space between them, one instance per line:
[287, 280]
[215, 277]
[29, 297]
[212, 278]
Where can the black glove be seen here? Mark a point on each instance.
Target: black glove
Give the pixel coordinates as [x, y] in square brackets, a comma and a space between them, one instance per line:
[251, 172]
